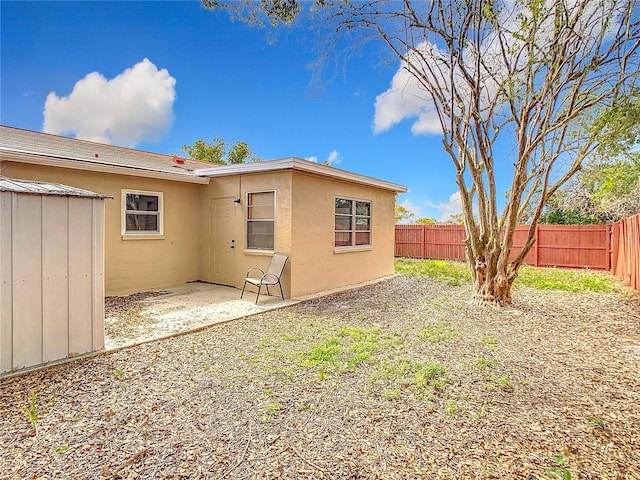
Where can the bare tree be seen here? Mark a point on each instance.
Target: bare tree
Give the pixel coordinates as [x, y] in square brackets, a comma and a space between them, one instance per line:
[528, 73]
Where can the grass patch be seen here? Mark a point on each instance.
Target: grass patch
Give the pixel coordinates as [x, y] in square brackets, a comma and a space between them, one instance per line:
[560, 469]
[344, 351]
[504, 382]
[32, 412]
[451, 408]
[489, 342]
[323, 353]
[569, 280]
[451, 273]
[391, 394]
[418, 377]
[564, 279]
[272, 410]
[484, 363]
[439, 332]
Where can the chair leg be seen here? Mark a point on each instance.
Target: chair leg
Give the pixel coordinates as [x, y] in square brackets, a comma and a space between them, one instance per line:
[243, 287]
[281, 292]
[258, 295]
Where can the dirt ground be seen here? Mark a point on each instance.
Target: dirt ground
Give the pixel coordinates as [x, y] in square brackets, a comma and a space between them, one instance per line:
[400, 380]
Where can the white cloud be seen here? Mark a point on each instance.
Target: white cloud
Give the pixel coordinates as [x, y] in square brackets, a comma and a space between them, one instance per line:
[407, 99]
[332, 159]
[447, 209]
[415, 210]
[134, 106]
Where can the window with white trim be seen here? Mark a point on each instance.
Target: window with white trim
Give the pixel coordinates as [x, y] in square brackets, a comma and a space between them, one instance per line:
[352, 223]
[142, 213]
[261, 211]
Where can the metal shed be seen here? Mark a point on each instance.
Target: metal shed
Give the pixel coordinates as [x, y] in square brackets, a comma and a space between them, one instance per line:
[51, 273]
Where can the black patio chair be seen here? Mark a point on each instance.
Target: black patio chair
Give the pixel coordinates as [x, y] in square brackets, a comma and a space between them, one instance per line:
[269, 278]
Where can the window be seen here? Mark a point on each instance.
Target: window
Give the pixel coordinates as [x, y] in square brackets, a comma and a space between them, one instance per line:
[142, 213]
[261, 220]
[352, 223]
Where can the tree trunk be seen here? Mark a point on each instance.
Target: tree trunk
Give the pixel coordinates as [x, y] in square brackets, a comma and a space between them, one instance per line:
[492, 289]
[493, 274]
[488, 259]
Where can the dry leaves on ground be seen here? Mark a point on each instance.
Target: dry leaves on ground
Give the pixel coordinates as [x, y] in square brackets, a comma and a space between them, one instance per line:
[399, 380]
[124, 314]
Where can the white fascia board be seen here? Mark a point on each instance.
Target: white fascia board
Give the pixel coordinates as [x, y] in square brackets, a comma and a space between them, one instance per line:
[20, 156]
[299, 165]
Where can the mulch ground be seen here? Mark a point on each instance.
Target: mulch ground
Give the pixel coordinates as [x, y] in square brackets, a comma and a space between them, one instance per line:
[404, 379]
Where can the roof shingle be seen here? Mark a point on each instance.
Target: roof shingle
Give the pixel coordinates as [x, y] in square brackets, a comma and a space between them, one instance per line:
[17, 140]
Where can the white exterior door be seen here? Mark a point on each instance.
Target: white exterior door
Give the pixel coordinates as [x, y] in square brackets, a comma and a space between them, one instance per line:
[223, 240]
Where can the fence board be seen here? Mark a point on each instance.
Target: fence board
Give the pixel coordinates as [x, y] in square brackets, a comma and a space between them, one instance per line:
[625, 251]
[600, 247]
[572, 246]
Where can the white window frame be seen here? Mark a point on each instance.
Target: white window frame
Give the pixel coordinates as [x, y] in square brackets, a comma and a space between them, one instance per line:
[353, 229]
[142, 233]
[247, 220]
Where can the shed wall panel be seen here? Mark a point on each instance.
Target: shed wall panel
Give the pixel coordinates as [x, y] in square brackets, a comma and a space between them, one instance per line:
[6, 285]
[55, 280]
[27, 280]
[80, 271]
[51, 278]
[98, 274]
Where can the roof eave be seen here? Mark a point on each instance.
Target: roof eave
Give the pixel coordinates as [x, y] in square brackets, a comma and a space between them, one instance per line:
[298, 165]
[20, 156]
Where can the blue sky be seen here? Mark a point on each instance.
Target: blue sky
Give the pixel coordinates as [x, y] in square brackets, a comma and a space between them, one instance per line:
[80, 67]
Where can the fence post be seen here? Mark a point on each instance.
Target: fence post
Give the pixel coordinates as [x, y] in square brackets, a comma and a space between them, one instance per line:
[537, 245]
[609, 250]
[423, 242]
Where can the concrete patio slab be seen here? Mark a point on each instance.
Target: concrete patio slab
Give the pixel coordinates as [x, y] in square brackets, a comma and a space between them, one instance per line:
[189, 307]
[194, 306]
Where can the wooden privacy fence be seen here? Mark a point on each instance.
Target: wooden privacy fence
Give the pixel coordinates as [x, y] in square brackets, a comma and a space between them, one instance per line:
[625, 250]
[571, 246]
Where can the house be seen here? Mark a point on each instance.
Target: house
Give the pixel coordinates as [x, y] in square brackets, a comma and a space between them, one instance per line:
[174, 220]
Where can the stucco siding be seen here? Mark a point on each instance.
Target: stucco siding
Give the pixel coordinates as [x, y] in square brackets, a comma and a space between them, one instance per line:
[190, 248]
[141, 264]
[317, 265]
[238, 186]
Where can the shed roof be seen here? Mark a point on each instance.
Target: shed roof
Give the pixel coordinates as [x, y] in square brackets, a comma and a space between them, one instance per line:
[45, 188]
[36, 147]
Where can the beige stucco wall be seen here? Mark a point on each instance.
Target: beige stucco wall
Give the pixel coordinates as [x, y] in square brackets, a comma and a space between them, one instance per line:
[316, 265]
[304, 229]
[238, 186]
[135, 265]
